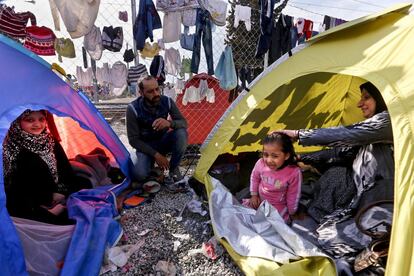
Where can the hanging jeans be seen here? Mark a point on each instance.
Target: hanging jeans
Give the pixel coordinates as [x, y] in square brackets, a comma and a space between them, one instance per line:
[203, 28]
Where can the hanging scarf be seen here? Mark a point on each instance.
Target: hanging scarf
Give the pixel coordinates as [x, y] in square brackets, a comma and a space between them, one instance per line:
[17, 139]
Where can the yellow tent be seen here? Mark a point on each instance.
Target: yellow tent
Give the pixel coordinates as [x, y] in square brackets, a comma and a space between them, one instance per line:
[318, 87]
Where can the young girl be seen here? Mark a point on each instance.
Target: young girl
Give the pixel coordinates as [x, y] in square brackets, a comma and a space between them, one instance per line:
[275, 177]
[37, 173]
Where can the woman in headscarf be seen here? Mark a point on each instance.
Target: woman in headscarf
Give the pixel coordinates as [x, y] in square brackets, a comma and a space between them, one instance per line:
[37, 174]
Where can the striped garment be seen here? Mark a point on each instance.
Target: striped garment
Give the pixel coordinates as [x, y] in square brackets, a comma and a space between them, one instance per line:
[136, 72]
[13, 24]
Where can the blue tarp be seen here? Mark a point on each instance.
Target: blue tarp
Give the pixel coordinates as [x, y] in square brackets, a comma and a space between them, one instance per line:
[27, 82]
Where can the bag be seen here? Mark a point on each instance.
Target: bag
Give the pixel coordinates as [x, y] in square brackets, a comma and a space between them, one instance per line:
[40, 40]
[13, 24]
[187, 40]
[375, 221]
[64, 47]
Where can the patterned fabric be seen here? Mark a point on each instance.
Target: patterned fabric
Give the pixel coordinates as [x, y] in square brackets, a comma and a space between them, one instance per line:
[373, 168]
[18, 139]
[40, 40]
[13, 24]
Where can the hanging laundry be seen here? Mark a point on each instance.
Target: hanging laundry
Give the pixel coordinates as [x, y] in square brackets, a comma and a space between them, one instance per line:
[112, 38]
[129, 55]
[147, 21]
[172, 61]
[226, 71]
[119, 74]
[123, 16]
[187, 40]
[245, 75]
[40, 40]
[170, 92]
[189, 17]
[172, 27]
[150, 51]
[197, 92]
[179, 86]
[217, 10]
[266, 24]
[136, 72]
[77, 15]
[92, 42]
[185, 66]
[157, 69]
[84, 58]
[281, 42]
[85, 78]
[243, 13]
[169, 5]
[13, 24]
[103, 74]
[203, 29]
[161, 44]
[330, 22]
[304, 27]
[65, 48]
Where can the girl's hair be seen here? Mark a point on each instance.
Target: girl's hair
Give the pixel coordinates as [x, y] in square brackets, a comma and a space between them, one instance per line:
[285, 143]
[376, 94]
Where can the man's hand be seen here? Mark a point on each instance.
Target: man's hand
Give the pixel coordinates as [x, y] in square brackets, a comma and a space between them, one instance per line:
[255, 201]
[293, 134]
[160, 124]
[58, 198]
[162, 161]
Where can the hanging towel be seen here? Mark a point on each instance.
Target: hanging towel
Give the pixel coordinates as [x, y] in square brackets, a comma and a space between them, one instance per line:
[226, 71]
[78, 15]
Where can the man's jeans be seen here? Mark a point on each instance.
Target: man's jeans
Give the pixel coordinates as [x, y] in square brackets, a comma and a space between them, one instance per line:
[203, 28]
[174, 142]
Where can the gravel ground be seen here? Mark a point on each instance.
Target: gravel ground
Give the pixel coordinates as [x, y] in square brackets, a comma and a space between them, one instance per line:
[160, 217]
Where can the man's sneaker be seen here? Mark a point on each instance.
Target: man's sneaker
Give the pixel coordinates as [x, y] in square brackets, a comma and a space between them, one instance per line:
[175, 187]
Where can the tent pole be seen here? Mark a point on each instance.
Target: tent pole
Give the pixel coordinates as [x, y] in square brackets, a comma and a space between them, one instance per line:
[134, 16]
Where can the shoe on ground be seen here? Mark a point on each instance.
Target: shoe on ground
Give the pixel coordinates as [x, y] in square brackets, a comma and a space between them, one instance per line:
[173, 186]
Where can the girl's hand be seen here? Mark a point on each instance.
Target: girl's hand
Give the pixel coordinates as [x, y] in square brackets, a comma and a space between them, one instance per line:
[57, 210]
[58, 198]
[255, 201]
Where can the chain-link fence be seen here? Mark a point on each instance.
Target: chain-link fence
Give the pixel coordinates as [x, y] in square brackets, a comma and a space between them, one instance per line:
[203, 114]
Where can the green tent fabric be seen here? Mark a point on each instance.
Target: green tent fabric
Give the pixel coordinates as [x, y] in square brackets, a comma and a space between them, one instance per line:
[319, 87]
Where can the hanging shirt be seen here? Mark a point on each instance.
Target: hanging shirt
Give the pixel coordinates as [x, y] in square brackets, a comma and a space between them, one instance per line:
[172, 27]
[103, 74]
[172, 61]
[243, 13]
[84, 77]
[118, 78]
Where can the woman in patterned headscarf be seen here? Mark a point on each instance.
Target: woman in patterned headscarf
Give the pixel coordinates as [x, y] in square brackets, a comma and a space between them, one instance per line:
[346, 188]
[37, 174]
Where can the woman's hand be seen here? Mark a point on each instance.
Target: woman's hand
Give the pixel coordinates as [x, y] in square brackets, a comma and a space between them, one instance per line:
[255, 201]
[293, 134]
[58, 209]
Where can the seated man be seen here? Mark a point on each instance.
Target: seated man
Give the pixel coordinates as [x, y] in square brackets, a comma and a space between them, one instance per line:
[152, 134]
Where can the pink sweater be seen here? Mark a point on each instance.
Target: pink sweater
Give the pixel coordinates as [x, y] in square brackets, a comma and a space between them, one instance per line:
[281, 188]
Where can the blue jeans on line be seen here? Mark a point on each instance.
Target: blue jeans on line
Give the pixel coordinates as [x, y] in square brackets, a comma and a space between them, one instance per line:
[203, 28]
[174, 142]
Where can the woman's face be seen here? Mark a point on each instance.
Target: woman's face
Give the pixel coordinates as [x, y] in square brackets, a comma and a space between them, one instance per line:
[367, 104]
[34, 123]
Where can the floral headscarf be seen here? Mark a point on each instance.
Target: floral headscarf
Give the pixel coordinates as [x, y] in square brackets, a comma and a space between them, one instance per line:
[18, 139]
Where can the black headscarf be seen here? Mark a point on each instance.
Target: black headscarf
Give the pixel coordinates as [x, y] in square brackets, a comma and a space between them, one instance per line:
[18, 139]
[376, 94]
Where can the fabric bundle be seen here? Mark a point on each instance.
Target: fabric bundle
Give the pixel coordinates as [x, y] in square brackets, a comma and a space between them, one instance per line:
[13, 24]
[65, 48]
[40, 40]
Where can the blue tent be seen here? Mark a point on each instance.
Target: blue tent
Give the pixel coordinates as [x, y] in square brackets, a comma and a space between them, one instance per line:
[27, 82]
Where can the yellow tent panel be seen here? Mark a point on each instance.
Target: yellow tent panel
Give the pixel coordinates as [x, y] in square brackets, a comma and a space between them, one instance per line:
[319, 86]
